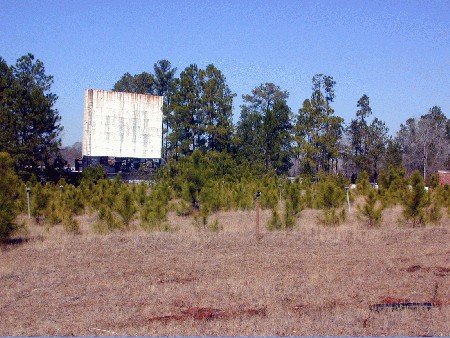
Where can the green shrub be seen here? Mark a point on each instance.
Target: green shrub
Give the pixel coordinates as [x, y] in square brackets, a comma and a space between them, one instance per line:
[275, 222]
[215, 226]
[183, 208]
[328, 194]
[333, 217]
[200, 219]
[9, 184]
[289, 213]
[40, 199]
[369, 212]
[363, 183]
[71, 225]
[393, 186]
[126, 207]
[55, 214]
[111, 221]
[433, 214]
[416, 201]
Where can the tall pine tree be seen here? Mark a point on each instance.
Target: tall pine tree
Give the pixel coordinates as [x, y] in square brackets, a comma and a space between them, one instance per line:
[29, 123]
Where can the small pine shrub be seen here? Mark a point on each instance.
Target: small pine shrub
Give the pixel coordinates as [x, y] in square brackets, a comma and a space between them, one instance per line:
[111, 221]
[242, 195]
[200, 219]
[102, 213]
[363, 184]
[55, 214]
[441, 195]
[141, 194]
[289, 212]
[434, 215]
[126, 207]
[370, 212]
[275, 222]
[333, 217]
[153, 215]
[99, 228]
[269, 197]
[416, 201]
[40, 199]
[184, 208]
[328, 194]
[211, 197]
[73, 200]
[215, 226]
[393, 186]
[71, 225]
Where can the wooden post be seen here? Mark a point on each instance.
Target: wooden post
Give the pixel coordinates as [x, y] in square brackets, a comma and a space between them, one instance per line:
[257, 204]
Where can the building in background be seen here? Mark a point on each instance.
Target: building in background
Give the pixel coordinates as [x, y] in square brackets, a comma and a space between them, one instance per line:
[444, 177]
[122, 132]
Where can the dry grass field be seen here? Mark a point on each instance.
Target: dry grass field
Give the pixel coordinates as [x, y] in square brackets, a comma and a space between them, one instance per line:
[311, 280]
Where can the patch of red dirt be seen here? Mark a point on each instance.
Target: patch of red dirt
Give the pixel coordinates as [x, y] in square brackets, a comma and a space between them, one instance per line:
[177, 280]
[413, 268]
[207, 313]
[442, 271]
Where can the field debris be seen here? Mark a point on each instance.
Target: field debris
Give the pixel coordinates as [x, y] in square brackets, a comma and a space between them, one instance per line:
[437, 270]
[401, 306]
[392, 304]
[106, 331]
[208, 313]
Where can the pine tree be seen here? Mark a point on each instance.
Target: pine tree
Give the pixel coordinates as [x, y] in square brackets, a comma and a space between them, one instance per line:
[29, 124]
[9, 184]
[416, 200]
[369, 212]
[318, 131]
[264, 129]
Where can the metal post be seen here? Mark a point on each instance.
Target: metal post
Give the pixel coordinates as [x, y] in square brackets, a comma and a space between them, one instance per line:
[257, 203]
[28, 198]
[60, 191]
[348, 199]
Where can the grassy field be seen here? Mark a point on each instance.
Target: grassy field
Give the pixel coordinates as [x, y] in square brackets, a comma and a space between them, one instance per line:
[311, 280]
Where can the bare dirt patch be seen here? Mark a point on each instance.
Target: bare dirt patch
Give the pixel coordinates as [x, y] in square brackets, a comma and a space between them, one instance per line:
[308, 281]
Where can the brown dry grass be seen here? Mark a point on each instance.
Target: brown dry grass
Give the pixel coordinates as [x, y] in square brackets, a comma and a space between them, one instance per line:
[310, 280]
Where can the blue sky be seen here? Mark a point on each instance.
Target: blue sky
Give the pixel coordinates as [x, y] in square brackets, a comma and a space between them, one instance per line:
[396, 52]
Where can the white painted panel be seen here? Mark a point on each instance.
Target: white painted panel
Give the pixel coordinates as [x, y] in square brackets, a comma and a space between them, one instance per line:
[122, 124]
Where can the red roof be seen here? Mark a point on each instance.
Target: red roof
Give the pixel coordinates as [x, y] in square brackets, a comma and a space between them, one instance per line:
[444, 177]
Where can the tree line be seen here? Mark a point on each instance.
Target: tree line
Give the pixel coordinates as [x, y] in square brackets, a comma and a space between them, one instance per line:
[198, 107]
[268, 136]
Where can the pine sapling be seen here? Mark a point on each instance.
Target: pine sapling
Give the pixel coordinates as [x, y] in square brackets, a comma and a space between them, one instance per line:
[370, 212]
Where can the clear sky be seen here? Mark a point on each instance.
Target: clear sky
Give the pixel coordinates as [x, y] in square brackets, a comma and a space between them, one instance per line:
[396, 52]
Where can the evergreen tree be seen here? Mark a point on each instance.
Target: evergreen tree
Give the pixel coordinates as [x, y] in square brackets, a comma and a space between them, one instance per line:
[9, 184]
[164, 82]
[217, 105]
[264, 129]
[278, 138]
[358, 131]
[143, 83]
[186, 134]
[29, 125]
[318, 131]
[416, 200]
